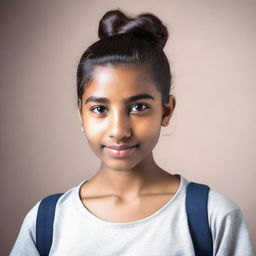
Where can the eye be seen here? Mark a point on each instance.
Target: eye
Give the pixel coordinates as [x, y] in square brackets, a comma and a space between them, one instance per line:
[99, 109]
[139, 107]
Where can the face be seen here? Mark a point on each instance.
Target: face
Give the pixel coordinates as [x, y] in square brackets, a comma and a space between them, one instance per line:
[122, 107]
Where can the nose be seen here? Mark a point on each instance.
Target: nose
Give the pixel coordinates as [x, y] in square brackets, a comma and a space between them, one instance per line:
[119, 127]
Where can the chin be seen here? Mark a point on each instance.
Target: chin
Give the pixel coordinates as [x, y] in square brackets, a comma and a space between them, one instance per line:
[120, 164]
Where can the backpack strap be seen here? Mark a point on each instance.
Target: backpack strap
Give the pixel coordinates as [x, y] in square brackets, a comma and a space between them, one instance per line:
[197, 213]
[44, 224]
[196, 208]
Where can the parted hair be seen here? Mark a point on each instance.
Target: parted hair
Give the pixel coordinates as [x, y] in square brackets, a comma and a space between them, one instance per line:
[125, 40]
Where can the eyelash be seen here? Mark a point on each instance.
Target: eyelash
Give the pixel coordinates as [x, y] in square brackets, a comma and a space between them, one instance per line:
[100, 106]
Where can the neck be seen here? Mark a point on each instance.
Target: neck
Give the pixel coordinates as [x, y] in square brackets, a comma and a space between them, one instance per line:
[132, 182]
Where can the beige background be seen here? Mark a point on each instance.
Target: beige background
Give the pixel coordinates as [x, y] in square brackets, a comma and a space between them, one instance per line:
[212, 135]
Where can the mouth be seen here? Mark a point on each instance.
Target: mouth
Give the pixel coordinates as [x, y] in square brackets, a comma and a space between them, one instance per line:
[124, 151]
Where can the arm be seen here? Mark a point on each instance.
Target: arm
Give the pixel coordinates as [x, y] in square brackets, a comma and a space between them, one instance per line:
[25, 242]
[229, 230]
[232, 237]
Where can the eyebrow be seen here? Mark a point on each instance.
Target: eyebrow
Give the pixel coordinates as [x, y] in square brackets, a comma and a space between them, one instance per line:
[130, 99]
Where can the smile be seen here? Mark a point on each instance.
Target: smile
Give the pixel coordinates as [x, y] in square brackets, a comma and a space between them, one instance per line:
[119, 152]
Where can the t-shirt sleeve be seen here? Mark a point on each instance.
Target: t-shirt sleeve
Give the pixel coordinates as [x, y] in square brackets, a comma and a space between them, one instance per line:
[229, 230]
[26, 240]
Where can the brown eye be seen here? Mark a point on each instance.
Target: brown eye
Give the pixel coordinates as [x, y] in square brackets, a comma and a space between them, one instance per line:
[139, 107]
[98, 109]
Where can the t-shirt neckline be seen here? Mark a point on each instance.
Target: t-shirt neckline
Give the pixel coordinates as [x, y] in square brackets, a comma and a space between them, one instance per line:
[170, 203]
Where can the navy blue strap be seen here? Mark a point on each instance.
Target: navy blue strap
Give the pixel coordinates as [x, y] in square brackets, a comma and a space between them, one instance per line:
[196, 207]
[44, 224]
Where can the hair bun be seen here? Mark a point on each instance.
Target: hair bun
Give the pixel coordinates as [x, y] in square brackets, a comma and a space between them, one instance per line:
[145, 25]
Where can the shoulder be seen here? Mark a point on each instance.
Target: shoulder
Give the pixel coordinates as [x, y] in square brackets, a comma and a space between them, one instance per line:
[229, 230]
[25, 243]
[29, 222]
[221, 206]
[222, 210]
[225, 218]
[65, 198]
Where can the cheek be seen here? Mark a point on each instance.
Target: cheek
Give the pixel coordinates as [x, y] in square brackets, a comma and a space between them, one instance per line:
[94, 129]
[93, 134]
[147, 131]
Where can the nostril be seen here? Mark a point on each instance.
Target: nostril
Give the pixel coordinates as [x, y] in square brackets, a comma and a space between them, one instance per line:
[119, 127]
[120, 136]
[119, 133]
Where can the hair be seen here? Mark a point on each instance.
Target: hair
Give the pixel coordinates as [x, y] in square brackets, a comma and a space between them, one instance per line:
[125, 40]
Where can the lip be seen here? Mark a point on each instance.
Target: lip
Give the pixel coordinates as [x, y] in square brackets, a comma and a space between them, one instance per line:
[119, 151]
[120, 147]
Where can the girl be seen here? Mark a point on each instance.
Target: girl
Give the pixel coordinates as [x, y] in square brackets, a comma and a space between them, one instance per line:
[131, 206]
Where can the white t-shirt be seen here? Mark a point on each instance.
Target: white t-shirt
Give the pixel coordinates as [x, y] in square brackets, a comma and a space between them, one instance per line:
[77, 232]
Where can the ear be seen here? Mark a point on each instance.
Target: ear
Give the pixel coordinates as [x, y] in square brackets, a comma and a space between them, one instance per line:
[79, 104]
[168, 109]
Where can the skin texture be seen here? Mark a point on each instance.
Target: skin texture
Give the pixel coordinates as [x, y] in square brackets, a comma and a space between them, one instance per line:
[133, 187]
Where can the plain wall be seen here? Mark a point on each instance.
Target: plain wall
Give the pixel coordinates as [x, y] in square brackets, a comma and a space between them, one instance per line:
[211, 138]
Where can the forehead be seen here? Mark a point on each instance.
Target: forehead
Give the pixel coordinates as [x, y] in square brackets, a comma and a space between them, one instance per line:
[120, 81]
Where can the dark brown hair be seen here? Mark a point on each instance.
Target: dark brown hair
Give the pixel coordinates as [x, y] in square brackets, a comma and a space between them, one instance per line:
[125, 40]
